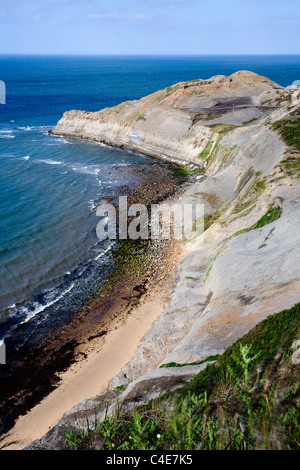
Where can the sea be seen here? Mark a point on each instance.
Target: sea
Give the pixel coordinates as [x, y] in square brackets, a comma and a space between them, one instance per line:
[50, 258]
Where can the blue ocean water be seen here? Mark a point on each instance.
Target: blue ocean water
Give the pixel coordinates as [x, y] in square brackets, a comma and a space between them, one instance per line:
[50, 257]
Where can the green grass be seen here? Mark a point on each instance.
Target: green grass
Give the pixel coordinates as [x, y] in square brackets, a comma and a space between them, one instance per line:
[138, 117]
[210, 152]
[205, 153]
[213, 260]
[227, 155]
[223, 128]
[270, 216]
[121, 388]
[248, 399]
[174, 364]
[254, 192]
[192, 81]
[165, 93]
[184, 171]
[198, 171]
[210, 219]
[289, 131]
[239, 232]
[250, 121]
[213, 155]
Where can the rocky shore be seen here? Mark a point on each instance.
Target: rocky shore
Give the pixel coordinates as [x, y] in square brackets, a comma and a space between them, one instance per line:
[126, 287]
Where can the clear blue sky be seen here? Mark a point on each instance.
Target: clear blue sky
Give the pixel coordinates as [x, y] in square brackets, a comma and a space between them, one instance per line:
[149, 27]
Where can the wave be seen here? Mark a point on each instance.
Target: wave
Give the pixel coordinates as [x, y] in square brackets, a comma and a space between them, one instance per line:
[7, 136]
[50, 162]
[25, 128]
[103, 253]
[86, 169]
[10, 307]
[80, 279]
[32, 128]
[38, 307]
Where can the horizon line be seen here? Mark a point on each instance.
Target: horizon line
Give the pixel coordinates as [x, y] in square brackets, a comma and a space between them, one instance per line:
[26, 54]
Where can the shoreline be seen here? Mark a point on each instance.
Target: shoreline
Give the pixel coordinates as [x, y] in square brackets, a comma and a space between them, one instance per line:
[122, 315]
[88, 377]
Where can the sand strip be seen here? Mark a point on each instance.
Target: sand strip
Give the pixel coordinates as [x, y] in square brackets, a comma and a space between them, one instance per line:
[87, 378]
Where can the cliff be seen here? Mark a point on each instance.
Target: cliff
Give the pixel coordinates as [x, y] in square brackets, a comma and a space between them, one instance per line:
[243, 130]
[176, 123]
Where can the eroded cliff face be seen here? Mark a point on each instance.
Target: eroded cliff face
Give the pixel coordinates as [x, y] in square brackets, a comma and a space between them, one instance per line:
[244, 267]
[176, 123]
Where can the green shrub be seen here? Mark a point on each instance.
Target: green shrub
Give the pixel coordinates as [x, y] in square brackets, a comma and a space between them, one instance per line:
[248, 399]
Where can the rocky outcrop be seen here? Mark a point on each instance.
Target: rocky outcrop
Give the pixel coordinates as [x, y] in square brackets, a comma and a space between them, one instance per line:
[173, 123]
[244, 266]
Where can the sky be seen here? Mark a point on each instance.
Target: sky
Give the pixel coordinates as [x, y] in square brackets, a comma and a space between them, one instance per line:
[167, 27]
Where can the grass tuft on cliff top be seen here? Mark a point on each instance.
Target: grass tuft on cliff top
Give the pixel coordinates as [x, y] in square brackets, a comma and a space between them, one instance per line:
[289, 131]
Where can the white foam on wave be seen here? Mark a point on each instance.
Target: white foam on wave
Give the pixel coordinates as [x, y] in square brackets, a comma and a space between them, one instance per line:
[86, 169]
[40, 308]
[93, 204]
[25, 128]
[7, 136]
[51, 162]
[105, 251]
[25, 158]
[10, 307]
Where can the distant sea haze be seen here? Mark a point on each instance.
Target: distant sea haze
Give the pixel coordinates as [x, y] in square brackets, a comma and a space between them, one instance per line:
[50, 257]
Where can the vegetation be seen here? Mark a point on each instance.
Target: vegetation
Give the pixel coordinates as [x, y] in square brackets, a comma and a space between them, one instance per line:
[214, 152]
[165, 93]
[213, 217]
[210, 152]
[139, 117]
[246, 123]
[205, 153]
[256, 190]
[223, 128]
[248, 399]
[121, 388]
[184, 171]
[192, 81]
[174, 364]
[198, 171]
[271, 215]
[289, 131]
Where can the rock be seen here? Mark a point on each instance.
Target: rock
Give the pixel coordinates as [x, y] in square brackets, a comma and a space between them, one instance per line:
[232, 276]
[172, 123]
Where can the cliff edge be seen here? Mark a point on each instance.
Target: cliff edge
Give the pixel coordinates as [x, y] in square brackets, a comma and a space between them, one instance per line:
[244, 131]
[176, 123]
